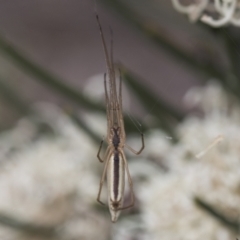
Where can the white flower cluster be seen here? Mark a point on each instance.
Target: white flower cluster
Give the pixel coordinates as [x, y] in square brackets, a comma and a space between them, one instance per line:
[50, 181]
[176, 176]
[216, 13]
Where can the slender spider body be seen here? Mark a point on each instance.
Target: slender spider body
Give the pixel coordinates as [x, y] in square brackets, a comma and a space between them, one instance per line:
[115, 161]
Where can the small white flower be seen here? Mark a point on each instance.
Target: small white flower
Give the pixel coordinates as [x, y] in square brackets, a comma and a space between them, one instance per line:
[228, 11]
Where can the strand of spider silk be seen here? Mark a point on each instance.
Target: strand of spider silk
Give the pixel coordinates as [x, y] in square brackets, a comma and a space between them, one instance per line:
[134, 121]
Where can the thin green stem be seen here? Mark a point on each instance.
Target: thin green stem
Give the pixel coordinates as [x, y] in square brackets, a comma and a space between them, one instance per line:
[51, 81]
[83, 126]
[212, 211]
[147, 98]
[19, 104]
[27, 227]
[232, 54]
[46, 77]
[158, 35]
[162, 111]
[13, 98]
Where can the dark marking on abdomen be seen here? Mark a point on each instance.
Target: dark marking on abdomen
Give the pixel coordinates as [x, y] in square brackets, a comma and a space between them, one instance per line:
[116, 169]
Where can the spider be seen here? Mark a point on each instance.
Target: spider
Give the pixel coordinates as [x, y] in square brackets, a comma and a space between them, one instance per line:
[115, 161]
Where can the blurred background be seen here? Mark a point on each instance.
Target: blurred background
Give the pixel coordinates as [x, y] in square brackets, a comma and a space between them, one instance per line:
[63, 39]
[181, 88]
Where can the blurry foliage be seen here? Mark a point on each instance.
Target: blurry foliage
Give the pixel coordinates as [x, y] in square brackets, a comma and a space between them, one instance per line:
[226, 221]
[150, 19]
[29, 228]
[139, 14]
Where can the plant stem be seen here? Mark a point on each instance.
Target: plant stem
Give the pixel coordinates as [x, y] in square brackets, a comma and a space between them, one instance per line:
[148, 98]
[83, 126]
[13, 98]
[46, 77]
[28, 227]
[159, 36]
[212, 211]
